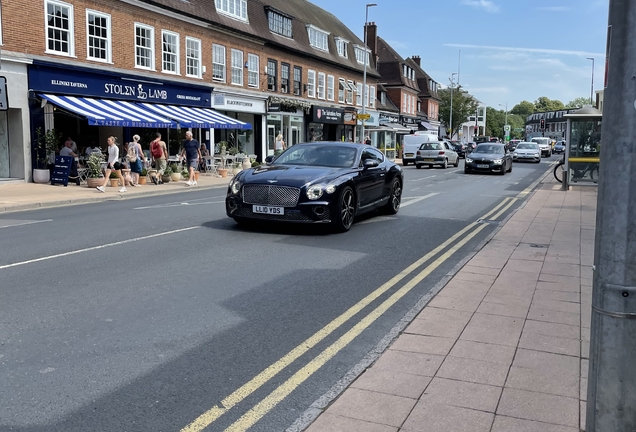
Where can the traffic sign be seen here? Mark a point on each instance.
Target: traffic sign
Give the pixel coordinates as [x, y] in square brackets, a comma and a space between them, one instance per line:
[507, 128]
[518, 129]
[364, 116]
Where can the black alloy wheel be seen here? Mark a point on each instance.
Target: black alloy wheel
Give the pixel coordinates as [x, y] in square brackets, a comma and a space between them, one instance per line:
[395, 198]
[346, 210]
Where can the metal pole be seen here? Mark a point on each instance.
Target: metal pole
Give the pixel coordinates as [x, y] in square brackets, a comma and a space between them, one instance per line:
[366, 58]
[611, 401]
[592, 90]
[450, 126]
[459, 65]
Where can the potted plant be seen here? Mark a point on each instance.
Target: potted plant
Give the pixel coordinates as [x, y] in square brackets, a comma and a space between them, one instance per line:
[114, 179]
[46, 145]
[166, 175]
[95, 174]
[223, 147]
[143, 176]
[175, 172]
[237, 167]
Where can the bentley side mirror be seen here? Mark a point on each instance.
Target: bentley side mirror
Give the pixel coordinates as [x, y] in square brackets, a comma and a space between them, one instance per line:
[269, 159]
[370, 163]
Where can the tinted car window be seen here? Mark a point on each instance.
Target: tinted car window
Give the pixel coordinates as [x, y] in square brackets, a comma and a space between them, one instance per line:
[489, 149]
[318, 155]
[431, 146]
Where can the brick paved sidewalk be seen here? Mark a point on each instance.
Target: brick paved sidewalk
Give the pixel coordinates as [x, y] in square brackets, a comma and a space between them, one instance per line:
[25, 196]
[503, 346]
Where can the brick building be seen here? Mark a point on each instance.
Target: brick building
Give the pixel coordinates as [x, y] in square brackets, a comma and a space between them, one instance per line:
[240, 71]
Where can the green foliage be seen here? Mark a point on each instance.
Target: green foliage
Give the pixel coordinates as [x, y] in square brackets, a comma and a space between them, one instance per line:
[579, 102]
[46, 145]
[167, 172]
[464, 105]
[185, 173]
[113, 175]
[496, 120]
[523, 108]
[94, 164]
[144, 172]
[544, 104]
[255, 164]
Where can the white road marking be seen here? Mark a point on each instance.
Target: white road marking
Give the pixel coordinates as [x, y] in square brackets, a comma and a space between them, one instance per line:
[377, 219]
[418, 199]
[75, 252]
[452, 172]
[178, 205]
[423, 178]
[25, 223]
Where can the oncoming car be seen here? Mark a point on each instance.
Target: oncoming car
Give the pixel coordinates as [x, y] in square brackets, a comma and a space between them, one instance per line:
[527, 151]
[489, 157]
[317, 182]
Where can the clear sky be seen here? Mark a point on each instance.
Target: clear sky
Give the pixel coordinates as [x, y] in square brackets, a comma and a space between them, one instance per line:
[511, 50]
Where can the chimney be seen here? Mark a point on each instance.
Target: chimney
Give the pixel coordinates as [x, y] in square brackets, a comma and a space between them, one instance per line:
[372, 38]
[417, 60]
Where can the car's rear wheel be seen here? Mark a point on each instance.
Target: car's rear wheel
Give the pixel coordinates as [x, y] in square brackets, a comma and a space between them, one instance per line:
[418, 166]
[346, 210]
[445, 164]
[456, 162]
[395, 198]
[405, 163]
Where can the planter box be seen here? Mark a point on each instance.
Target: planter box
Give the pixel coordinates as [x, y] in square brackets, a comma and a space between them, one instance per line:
[41, 176]
[93, 182]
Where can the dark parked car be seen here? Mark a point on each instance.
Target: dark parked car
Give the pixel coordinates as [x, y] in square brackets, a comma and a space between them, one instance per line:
[489, 157]
[559, 147]
[318, 182]
[460, 148]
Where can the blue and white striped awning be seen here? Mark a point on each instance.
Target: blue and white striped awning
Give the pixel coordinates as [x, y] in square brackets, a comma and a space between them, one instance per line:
[191, 117]
[106, 112]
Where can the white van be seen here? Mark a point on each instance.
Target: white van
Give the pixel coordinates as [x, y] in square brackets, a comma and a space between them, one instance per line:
[411, 143]
[545, 144]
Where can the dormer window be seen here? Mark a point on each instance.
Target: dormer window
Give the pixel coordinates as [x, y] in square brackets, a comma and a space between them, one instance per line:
[383, 98]
[318, 38]
[234, 8]
[405, 69]
[279, 23]
[343, 47]
[362, 54]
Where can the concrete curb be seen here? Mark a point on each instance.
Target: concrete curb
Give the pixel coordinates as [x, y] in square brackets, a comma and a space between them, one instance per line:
[102, 198]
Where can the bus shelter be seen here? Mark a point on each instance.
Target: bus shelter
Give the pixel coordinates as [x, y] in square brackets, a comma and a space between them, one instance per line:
[583, 147]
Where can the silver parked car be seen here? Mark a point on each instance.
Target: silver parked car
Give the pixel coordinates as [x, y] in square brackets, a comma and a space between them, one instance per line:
[440, 153]
[527, 151]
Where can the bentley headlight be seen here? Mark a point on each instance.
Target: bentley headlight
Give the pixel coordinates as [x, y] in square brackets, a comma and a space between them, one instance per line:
[469, 160]
[235, 186]
[330, 189]
[497, 162]
[314, 192]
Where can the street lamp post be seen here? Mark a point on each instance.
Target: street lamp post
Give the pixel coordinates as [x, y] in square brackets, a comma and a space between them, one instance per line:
[592, 90]
[450, 126]
[506, 121]
[366, 60]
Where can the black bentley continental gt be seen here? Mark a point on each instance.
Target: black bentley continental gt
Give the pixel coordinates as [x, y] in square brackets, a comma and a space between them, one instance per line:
[317, 182]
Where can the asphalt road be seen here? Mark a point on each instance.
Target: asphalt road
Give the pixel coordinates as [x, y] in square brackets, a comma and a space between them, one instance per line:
[160, 314]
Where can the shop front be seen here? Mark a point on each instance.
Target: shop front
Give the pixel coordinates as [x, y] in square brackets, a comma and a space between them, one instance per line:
[90, 105]
[15, 137]
[325, 124]
[286, 117]
[350, 121]
[248, 109]
[382, 137]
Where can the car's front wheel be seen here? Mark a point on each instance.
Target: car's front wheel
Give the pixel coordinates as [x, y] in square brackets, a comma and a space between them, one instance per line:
[395, 198]
[405, 163]
[346, 210]
[445, 164]
[418, 166]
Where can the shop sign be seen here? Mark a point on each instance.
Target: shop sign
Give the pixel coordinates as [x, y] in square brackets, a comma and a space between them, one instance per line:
[388, 119]
[238, 104]
[75, 82]
[274, 108]
[327, 115]
[372, 120]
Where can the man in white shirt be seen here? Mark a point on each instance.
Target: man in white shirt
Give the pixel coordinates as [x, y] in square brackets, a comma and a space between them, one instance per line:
[67, 150]
[73, 144]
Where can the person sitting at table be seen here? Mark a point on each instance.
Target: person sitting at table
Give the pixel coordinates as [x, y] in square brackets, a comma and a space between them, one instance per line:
[88, 152]
[68, 152]
[73, 145]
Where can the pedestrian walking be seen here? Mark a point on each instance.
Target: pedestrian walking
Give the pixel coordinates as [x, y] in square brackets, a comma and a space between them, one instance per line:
[367, 140]
[159, 153]
[136, 159]
[279, 145]
[113, 165]
[192, 152]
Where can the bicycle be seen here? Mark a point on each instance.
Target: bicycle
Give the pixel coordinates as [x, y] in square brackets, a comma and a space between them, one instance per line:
[558, 170]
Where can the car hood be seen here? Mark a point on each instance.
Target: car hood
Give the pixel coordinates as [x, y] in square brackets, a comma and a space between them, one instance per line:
[293, 175]
[489, 156]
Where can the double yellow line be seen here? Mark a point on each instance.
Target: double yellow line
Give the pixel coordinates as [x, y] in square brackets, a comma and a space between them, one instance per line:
[500, 209]
[247, 420]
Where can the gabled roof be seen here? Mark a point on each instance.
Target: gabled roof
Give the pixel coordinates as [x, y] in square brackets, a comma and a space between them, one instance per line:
[390, 66]
[388, 105]
[302, 12]
[423, 80]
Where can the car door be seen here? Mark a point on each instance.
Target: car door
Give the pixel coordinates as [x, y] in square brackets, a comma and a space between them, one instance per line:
[371, 179]
[452, 159]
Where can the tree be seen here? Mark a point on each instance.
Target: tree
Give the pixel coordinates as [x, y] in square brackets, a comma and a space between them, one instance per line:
[579, 102]
[464, 105]
[544, 104]
[523, 108]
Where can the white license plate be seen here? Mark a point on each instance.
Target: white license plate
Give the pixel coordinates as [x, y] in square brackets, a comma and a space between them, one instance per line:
[268, 210]
[429, 160]
[483, 166]
[409, 154]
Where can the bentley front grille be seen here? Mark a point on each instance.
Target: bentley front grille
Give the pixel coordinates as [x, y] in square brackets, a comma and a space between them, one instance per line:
[270, 195]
